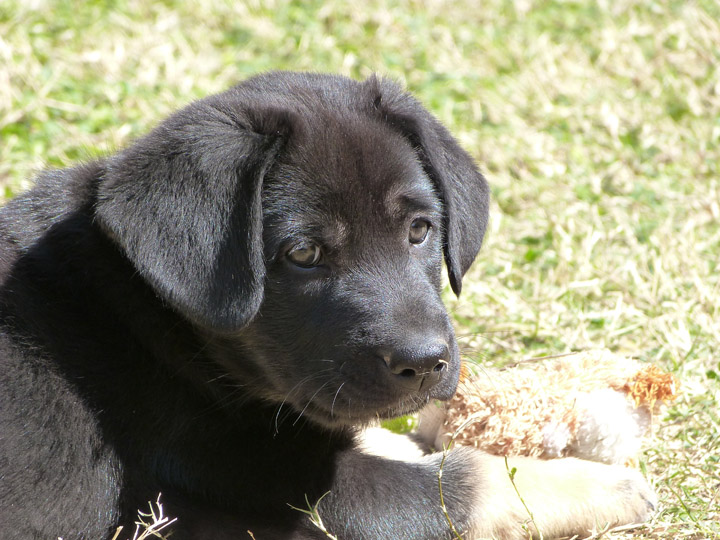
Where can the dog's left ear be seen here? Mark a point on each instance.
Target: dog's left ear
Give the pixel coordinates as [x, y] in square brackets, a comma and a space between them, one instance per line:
[463, 189]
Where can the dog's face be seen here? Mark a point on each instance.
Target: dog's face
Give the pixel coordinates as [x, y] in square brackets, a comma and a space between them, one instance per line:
[352, 326]
[322, 261]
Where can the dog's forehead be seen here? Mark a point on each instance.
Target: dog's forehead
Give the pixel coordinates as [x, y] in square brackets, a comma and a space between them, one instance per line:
[349, 152]
[347, 174]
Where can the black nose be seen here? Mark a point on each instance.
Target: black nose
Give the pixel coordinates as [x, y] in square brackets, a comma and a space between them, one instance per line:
[417, 367]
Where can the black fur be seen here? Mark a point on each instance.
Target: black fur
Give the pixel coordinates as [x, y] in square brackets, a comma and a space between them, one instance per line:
[155, 337]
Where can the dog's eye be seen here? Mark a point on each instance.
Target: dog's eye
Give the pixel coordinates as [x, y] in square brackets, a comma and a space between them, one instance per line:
[305, 255]
[418, 231]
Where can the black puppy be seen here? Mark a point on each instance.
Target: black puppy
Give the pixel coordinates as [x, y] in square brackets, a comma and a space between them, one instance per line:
[211, 313]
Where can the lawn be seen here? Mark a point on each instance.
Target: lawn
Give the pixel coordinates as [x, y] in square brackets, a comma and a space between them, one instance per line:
[597, 123]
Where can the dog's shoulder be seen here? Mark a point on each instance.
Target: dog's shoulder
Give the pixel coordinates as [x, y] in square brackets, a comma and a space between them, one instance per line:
[55, 195]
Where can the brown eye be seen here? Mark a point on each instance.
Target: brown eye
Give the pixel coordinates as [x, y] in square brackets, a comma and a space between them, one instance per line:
[305, 255]
[418, 231]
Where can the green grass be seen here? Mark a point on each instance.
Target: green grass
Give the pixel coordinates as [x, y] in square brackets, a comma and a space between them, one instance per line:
[598, 124]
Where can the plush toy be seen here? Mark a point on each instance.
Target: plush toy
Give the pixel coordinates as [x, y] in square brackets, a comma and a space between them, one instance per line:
[592, 405]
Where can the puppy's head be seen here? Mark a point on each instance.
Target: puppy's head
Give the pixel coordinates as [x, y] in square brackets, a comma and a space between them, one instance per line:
[302, 221]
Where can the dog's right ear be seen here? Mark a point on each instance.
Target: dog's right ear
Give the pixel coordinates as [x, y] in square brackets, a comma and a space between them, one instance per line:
[184, 203]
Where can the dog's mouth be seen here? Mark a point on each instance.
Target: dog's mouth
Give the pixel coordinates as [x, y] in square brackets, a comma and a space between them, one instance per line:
[348, 414]
[347, 402]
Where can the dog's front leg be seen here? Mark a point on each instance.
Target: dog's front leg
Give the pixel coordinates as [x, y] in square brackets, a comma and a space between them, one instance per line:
[373, 497]
[377, 497]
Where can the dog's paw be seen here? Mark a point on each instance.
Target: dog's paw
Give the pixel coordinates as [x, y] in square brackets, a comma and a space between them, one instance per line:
[636, 499]
[603, 496]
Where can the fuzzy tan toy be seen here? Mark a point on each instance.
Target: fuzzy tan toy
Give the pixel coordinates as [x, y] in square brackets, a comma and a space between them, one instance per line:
[593, 405]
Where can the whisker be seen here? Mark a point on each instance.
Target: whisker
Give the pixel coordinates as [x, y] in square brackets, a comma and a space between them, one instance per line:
[215, 379]
[293, 389]
[332, 407]
[309, 401]
[233, 395]
[282, 403]
[197, 355]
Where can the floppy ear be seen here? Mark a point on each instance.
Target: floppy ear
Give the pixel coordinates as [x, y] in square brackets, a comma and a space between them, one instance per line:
[184, 203]
[463, 189]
